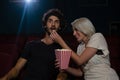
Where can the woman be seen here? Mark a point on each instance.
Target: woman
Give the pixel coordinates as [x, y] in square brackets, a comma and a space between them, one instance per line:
[92, 52]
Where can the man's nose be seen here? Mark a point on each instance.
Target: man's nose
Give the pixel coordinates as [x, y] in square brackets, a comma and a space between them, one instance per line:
[53, 23]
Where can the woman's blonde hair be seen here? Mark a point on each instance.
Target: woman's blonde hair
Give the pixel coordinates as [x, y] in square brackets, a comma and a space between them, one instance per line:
[84, 25]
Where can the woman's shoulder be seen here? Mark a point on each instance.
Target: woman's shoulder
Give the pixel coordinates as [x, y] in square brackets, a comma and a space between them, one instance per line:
[97, 36]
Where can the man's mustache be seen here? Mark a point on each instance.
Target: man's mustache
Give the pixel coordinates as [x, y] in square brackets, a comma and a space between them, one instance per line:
[53, 28]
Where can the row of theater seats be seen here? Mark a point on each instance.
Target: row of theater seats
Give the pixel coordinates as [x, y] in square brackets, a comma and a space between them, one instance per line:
[11, 46]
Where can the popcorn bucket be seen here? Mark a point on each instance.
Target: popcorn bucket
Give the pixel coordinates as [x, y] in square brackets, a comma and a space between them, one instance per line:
[63, 56]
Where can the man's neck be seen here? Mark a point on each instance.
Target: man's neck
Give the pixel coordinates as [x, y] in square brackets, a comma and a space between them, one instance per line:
[47, 40]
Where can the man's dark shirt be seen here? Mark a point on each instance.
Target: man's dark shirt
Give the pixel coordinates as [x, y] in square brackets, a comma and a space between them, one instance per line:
[40, 61]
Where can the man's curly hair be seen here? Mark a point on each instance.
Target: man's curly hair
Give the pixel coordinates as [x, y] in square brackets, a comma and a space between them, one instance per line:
[54, 12]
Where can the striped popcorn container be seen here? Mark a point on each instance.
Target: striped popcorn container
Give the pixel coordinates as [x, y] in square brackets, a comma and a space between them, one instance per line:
[63, 56]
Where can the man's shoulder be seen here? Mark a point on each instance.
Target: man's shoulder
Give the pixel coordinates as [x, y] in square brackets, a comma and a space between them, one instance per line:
[33, 42]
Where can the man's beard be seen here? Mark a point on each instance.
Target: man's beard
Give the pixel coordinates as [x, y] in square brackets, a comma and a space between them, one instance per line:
[48, 32]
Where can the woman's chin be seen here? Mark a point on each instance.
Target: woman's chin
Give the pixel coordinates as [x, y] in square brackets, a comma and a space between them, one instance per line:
[79, 41]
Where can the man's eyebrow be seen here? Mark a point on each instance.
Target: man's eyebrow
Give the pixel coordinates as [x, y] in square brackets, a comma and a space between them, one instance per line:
[55, 20]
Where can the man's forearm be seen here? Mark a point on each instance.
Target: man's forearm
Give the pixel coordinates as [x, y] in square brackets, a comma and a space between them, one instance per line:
[13, 73]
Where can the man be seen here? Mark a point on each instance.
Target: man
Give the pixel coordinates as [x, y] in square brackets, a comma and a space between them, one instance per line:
[39, 56]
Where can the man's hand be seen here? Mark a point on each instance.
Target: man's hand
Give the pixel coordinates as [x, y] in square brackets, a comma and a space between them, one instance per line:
[4, 78]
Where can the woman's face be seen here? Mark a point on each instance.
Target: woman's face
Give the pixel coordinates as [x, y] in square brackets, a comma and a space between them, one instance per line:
[79, 35]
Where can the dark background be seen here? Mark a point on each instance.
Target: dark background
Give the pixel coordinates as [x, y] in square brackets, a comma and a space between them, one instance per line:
[16, 18]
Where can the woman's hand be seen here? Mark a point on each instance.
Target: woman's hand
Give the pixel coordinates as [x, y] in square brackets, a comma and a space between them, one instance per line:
[56, 37]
